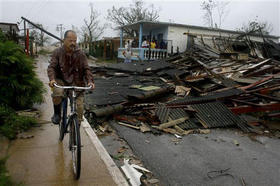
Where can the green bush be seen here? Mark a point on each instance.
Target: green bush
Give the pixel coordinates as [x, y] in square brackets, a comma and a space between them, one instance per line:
[2, 36]
[19, 86]
[11, 124]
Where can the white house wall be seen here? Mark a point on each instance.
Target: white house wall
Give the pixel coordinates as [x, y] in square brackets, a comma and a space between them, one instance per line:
[175, 34]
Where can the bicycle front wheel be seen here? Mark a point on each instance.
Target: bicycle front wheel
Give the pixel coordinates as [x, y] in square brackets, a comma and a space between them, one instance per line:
[75, 147]
[61, 131]
[62, 124]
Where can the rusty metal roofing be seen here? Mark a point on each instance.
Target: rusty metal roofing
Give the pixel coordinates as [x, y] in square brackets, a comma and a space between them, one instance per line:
[213, 96]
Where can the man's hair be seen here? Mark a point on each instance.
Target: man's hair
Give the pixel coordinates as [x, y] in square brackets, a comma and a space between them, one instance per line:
[66, 33]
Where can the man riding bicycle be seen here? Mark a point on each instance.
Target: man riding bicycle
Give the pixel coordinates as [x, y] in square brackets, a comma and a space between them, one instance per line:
[68, 66]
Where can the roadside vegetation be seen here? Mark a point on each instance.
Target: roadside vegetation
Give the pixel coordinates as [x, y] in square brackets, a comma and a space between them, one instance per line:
[5, 179]
[44, 52]
[19, 88]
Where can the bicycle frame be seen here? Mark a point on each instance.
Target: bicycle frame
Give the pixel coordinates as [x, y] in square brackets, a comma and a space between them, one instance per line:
[73, 107]
[72, 98]
[74, 126]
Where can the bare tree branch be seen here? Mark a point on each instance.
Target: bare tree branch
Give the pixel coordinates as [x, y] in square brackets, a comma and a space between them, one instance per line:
[92, 29]
[256, 26]
[137, 11]
[213, 11]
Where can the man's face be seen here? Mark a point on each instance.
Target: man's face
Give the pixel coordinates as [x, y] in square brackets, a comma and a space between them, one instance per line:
[70, 41]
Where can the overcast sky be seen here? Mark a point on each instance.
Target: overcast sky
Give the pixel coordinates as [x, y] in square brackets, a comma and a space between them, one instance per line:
[51, 12]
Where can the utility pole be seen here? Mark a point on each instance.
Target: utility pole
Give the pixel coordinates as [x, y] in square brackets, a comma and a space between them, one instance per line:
[36, 26]
[59, 29]
[24, 23]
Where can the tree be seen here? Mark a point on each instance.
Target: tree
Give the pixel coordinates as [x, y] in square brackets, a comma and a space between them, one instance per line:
[137, 11]
[92, 29]
[215, 13]
[256, 26]
[39, 36]
[19, 86]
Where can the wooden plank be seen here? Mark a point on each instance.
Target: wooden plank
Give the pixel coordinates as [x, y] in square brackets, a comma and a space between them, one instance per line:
[267, 97]
[260, 71]
[260, 108]
[244, 102]
[256, 66]
[128, 125]
[257, 83]
[172, 123]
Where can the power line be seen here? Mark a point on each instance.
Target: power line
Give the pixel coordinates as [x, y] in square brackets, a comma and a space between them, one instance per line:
[31, 10]
[42, 6]
[60, 29]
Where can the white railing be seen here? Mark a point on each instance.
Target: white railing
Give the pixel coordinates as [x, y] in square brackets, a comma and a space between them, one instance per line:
[154, 53]
[144, 53]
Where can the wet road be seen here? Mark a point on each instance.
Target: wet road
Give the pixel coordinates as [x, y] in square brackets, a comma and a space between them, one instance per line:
[190, 160]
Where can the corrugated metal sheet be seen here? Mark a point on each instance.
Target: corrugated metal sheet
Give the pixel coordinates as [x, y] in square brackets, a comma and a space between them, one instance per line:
[216, 114]
[188, 124]
[162, 112]
[165, 114]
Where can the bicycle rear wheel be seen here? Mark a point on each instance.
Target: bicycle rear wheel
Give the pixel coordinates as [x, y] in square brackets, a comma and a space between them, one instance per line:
[75, 146]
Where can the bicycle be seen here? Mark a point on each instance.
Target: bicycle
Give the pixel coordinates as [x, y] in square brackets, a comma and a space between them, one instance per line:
[74, 128]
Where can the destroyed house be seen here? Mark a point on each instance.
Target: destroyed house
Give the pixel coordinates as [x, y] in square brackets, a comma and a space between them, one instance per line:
[176, 38]
[10, 29]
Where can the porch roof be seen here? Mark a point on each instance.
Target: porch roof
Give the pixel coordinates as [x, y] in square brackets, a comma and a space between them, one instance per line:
[151, 25]
[147, 25]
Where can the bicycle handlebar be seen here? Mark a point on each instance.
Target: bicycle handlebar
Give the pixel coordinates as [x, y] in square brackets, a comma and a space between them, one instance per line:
[73, 87]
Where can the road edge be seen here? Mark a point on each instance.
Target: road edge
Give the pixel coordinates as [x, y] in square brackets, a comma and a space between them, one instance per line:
[113, 169]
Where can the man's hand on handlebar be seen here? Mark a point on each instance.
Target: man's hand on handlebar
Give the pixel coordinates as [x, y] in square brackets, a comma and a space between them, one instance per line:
[92, 85]
[51, 83]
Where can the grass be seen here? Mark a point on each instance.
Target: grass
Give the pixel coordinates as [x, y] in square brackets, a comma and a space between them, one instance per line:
[5, 179]
[12, 124]
[44, 52]
[119, 156]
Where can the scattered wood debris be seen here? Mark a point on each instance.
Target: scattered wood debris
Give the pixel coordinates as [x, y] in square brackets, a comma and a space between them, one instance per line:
[202, 88]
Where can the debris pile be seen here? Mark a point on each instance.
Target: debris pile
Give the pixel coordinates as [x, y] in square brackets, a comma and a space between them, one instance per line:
[198, 89]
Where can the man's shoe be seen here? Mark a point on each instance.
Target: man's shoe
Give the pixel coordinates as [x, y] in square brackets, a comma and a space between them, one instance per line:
[57, 114]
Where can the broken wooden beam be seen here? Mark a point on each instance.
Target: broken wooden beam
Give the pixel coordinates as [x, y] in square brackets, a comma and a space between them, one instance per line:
[260, 108]
[129, 125]
[257, 83]
[260, 71]
[245, 102]
[172, 123]
[256, 66]
[273, 98]
[107, 111]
